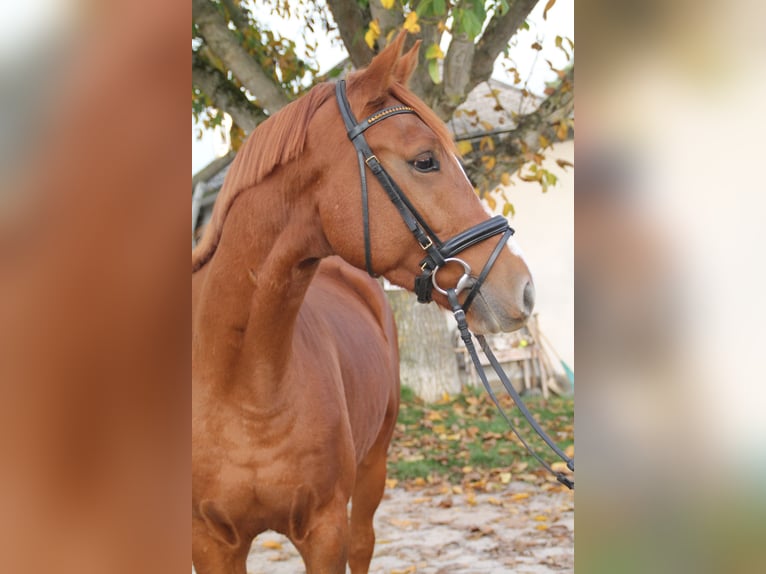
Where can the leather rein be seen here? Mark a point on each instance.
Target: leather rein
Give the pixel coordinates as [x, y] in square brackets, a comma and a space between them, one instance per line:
[438, 254]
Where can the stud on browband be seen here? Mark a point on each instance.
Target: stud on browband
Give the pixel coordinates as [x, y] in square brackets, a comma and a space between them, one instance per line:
[384, 113]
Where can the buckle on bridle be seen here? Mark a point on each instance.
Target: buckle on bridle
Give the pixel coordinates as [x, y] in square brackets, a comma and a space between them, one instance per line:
[427, 246]
[369, 159]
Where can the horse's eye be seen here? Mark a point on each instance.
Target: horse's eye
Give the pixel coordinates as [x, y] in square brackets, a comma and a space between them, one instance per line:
[425, 163]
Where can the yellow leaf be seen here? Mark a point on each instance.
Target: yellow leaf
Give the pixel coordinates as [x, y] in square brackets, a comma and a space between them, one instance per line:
[491, 203]
[541, 518]
[372, 34]
[391, 483]
[542, 527]
[272, 545]
[519, 496]
[434, 52]
[411, 23]
[488, 161]
[470, 498]
[544, 142]
[486, 144]
[387, 4]
[505, 178]
[464, 147]
[505, 477]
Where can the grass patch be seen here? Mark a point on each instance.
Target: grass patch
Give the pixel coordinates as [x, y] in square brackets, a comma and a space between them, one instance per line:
[465, 434]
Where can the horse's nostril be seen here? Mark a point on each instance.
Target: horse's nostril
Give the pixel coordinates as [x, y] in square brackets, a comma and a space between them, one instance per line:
[529, 298]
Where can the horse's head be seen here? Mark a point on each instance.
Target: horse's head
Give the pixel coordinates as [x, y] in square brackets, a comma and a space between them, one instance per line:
[415, 150]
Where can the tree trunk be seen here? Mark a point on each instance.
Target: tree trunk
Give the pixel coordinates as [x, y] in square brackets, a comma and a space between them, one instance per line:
[428, 361]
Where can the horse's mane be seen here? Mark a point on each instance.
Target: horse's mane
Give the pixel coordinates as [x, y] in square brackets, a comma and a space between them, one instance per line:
[286, 133]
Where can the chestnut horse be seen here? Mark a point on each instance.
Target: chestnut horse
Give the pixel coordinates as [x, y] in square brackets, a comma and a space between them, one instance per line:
[295, 366]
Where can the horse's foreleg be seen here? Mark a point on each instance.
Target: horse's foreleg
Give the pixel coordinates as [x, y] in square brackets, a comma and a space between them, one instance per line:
[325, 546]
[370, 484]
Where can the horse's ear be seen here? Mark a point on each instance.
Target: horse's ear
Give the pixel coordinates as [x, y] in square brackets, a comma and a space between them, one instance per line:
[407, 64]
[377, 77]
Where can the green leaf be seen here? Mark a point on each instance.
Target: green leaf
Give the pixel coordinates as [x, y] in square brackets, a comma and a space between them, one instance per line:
[440, 7]
[433, 71]
[471, 24]
[479, 11]
[423, 8]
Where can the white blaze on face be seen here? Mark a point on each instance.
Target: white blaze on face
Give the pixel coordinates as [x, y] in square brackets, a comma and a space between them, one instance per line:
[460, 167]
[512, 245]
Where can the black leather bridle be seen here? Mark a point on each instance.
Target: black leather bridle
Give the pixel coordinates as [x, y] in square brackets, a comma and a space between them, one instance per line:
[438, 254]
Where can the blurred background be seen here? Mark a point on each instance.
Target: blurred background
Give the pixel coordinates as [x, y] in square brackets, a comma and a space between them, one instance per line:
[669, 279]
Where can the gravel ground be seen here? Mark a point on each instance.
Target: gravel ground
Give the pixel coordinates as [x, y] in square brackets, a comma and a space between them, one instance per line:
[524, 529]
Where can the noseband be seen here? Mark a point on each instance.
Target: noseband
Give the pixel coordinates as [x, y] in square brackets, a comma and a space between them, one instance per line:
[438, 254]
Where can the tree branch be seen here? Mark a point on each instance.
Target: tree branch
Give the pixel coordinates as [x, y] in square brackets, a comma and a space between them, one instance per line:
[352, 23]
[458, 63]
[514, 148]
[214, 29]
[496, 36]
[224, 95]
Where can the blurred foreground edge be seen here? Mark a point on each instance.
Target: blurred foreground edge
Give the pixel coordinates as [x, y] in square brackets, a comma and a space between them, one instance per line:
[94, 299]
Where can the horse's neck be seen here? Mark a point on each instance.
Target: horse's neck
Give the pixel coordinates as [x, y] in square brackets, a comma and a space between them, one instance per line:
[248, 295]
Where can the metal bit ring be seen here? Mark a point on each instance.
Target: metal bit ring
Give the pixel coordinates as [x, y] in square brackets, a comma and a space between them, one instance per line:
[462, 283]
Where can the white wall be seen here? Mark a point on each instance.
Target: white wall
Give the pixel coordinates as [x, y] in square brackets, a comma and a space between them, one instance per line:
[544, 224]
